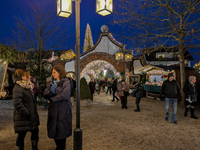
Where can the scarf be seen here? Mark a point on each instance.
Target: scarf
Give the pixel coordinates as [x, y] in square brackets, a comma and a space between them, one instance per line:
[26, 84]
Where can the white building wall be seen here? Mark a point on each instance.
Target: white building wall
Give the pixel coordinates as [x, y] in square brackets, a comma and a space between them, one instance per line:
[105, 45]
[137, 65]
[70, 66]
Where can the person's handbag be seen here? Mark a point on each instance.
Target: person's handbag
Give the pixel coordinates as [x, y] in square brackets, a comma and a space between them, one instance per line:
[126, 93]
[189, 99]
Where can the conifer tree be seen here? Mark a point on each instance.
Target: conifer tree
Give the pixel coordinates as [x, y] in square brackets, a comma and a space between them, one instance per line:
[84, 89]
[88, 42]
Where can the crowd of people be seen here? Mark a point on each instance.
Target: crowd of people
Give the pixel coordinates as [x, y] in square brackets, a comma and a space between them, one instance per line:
[60, 92]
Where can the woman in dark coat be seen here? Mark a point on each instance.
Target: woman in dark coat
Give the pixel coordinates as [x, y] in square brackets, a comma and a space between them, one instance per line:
[92, 88]
[190, 96]
[25, 112]
[59, 123]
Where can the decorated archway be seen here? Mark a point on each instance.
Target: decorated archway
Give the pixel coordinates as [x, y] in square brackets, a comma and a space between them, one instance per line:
[95, 68]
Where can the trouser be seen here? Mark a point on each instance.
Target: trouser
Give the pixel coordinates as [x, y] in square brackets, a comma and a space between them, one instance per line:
[21, 136]
[109, 89]
[91, 96]
[115, 96]
[137, 102]
[60, 144]
[72, 100]
[174, 107]
[124, 101]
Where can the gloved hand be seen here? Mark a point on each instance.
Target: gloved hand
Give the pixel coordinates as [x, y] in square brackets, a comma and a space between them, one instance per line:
[53, 89]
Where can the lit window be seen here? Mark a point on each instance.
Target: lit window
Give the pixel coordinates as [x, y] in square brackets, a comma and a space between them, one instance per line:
[161, 56]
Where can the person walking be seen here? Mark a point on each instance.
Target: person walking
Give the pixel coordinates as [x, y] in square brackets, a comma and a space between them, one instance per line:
[72, 88]
[59, 124]
[109, 85]
[171, 89]
[123, 88]
[26, 118]
[92, 88]
[114, 89]
[190, 96]
[139, 93]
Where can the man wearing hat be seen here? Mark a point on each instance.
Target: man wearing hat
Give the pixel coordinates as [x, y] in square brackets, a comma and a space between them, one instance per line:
[171, 89]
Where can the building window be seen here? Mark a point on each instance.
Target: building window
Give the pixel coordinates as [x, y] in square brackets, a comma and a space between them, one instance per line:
[161, 56]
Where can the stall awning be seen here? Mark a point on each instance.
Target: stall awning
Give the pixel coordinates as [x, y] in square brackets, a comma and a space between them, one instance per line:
[148, 67]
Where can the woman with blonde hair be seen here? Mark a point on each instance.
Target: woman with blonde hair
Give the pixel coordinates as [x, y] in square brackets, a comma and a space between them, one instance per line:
[190, 96]
[25, 111]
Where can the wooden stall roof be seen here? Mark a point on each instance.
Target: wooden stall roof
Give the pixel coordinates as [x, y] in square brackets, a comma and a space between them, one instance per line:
[148, 67]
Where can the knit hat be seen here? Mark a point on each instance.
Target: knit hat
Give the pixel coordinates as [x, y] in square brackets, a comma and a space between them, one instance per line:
[170, 74]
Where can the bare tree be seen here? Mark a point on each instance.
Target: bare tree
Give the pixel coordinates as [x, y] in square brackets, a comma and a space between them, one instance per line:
[39, 32]
[157, 23]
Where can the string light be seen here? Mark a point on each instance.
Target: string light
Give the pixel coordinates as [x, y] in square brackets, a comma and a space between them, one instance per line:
[99, 66]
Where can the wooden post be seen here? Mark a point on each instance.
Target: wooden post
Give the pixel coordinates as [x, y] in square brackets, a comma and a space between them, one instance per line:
[4, 76]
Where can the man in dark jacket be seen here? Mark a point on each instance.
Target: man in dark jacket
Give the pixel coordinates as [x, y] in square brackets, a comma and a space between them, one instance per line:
[114, 89]
[109, 85]
[139, 93]
[171, 89]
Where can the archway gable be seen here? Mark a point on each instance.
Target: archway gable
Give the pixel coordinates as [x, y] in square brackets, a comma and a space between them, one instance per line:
[101, 56]
[110, 37]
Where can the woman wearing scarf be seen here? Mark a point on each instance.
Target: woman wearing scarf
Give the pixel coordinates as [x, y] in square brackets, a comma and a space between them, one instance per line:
[25, 112]
[190, 96]
[59, 123]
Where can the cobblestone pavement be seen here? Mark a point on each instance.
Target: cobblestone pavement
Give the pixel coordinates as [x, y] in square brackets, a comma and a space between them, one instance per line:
[6, 104]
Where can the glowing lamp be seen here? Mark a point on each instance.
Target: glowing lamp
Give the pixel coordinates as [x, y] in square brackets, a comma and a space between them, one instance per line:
[119, 55]
[64, 8]
[104, 7]
[128, 57]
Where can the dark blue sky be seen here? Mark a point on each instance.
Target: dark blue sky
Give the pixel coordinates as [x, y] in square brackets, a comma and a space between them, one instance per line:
[9, 9]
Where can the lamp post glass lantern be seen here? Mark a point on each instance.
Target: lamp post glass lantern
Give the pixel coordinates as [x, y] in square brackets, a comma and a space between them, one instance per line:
[119, 55]
[104, 7]
[64, 8]
[128, 57]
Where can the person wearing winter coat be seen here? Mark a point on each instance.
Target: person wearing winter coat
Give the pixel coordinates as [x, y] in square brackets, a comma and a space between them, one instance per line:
[59, 124]
[25, 116]
[139, 93]
[72, 88]
[114, 89]
[92, 88]
[190, 96]
[109, 85]
[122, 88]
[171, 90]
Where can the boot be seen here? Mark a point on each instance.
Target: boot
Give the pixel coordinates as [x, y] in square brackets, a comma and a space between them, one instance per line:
[192, 113]
[186, 110]
[34, 145]
[138, 109]
[19, 148]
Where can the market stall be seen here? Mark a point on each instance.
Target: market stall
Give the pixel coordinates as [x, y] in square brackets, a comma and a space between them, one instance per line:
[155, 76]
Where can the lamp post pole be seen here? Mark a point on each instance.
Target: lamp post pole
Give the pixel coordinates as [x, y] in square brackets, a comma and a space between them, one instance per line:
[77, 130]
[124, 63]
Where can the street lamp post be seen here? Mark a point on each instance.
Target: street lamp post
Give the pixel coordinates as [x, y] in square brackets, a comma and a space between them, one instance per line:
[64, 9]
